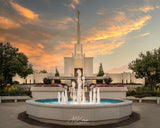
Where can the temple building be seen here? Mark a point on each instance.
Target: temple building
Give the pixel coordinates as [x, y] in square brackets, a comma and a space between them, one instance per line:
[78, 59]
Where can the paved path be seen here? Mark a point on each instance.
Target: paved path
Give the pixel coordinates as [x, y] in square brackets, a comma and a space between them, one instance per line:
[149, 112]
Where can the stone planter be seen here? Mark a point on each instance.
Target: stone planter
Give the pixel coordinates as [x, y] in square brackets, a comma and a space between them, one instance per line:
[113, 92]
[45, 92]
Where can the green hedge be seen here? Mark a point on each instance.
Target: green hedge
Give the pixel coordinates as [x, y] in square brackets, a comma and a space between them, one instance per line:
[144, 92]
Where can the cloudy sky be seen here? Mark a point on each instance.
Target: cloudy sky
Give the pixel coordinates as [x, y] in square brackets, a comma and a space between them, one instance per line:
[114, 32]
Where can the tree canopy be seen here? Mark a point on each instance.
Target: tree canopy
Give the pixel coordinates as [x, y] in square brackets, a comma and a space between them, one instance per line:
[100, 73]
[147, 66]
[11, 62]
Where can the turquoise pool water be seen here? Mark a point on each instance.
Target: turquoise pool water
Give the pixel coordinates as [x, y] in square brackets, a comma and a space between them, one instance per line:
[102, 101]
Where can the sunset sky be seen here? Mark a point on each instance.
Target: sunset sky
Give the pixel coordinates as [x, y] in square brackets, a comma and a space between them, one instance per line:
[114, 32]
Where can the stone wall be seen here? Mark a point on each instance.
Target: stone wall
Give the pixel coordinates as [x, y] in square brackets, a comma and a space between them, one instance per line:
[117, 78]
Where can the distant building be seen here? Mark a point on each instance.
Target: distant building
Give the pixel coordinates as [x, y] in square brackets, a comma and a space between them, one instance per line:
[36, 77]
[125, 78]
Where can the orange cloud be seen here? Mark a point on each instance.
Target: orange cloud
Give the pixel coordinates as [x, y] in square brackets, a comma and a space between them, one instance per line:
[41, 46]
[39, 57]
[142, 35]
[101, 11]
[146, 8]
[63, 45]
[118, 30]
[24, 11]
[72, 4]
[62, 23]
[145, 34]
[76, 1]
[7, 23]
[101, 49]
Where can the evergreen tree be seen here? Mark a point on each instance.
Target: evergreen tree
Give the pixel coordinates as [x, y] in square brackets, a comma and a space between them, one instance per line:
[100, 73]
[57, 74]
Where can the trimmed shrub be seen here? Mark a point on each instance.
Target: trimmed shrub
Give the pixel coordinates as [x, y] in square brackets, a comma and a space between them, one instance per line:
[47, 81]
[131, 93]
[108, 80]
[145, 91]
[15, 82]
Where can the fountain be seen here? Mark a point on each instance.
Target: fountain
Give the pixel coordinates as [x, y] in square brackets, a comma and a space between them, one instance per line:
[77, 109]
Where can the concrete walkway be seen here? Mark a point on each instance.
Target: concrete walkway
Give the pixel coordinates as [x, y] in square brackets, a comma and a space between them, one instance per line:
[149, 116]
[149, 112]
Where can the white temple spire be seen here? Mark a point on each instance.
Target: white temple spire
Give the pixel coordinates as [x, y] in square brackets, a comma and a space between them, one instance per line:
[78, 28]
[78, 50]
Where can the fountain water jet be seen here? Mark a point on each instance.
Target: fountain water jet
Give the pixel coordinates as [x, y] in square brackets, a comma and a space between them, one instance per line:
[80, 98]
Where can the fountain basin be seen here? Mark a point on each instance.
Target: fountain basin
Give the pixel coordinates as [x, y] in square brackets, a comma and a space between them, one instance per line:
[79, 114]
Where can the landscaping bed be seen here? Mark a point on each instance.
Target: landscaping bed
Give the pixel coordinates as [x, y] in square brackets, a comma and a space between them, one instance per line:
[14, 91]
[145, 91]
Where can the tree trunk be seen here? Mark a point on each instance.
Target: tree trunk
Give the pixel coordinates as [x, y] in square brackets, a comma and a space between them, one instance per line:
[6, 79]
[150, 82]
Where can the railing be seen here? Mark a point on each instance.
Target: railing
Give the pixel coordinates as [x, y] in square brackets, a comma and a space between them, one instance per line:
[157, 99]
[74, 78]
[14, 98]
